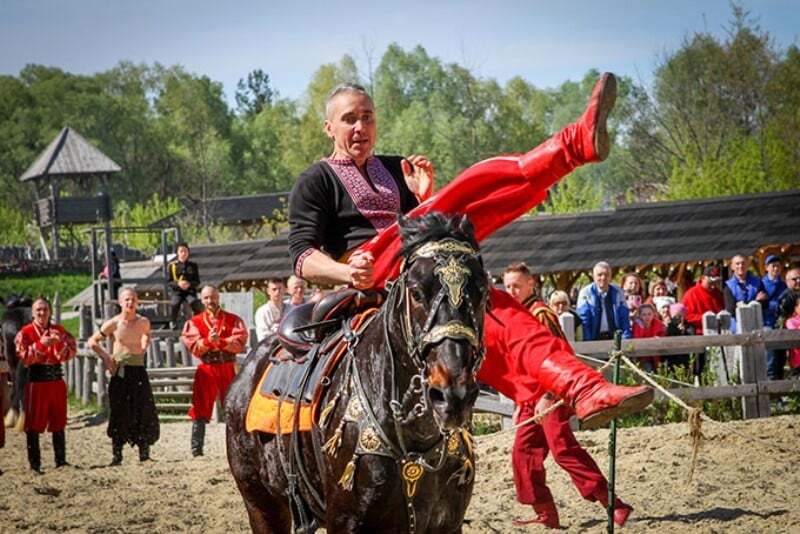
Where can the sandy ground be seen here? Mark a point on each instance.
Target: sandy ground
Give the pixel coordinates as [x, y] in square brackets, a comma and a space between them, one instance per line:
[744, 483]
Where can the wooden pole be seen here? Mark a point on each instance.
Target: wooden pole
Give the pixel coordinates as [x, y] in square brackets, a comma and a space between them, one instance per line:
[612, 440]
[753, 363]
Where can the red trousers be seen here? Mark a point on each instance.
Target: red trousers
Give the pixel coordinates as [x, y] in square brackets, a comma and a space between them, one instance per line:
[45, 406]
[531, 445]
[210, 380]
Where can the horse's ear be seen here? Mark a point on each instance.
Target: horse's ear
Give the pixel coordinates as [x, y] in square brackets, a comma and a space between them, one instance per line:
[465, 226]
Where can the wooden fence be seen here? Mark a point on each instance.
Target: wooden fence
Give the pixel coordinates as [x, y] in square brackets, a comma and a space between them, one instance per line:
[171, 367]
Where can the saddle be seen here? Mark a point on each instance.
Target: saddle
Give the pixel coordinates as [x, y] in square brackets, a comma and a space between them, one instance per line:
[310, 344]
[311, 322]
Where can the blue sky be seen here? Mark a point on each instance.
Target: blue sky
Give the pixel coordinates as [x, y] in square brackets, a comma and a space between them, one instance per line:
[544, 42]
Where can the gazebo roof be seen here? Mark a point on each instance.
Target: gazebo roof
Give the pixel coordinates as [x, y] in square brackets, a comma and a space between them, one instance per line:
[70, 154]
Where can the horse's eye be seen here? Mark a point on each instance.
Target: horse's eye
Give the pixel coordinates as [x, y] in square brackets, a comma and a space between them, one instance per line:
[416, 293]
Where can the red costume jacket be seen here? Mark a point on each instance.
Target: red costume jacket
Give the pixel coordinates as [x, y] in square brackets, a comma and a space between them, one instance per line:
[229, 327]
[699, 300]
[30, 349]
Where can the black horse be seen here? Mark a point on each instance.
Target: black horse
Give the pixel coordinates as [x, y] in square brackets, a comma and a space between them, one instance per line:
[16, 314]
[397, 453]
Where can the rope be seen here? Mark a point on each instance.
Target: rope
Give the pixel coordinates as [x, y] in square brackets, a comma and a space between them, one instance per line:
[536, 419]
[695, 417]
[607, 363]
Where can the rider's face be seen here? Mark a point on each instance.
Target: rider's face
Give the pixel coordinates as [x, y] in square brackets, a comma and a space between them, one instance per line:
[351, 126]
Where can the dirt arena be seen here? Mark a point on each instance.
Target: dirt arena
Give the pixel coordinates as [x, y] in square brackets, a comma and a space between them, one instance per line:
[741, 485]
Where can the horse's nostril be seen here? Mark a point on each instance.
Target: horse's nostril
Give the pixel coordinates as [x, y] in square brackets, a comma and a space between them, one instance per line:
[436, 395]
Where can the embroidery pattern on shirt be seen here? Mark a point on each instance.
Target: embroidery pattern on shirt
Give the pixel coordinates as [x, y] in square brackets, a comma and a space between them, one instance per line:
[379, 206]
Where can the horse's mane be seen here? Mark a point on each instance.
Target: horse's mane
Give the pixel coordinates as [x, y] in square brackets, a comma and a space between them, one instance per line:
[434, 226]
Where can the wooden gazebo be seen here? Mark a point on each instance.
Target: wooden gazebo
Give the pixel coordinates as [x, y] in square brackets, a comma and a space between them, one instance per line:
[69, 156]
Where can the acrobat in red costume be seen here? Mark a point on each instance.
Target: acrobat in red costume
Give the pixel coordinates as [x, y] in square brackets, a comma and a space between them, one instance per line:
[521, 353]
[553, 434]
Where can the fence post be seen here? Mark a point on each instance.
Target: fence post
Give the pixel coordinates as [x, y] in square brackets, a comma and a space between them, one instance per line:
[155, 353]
[57, 308]
[87, 380]
[567, 322]
[753, 362]
[169, 348]
[100, 371]
[506, 422]
[727, 363]
[78, 387]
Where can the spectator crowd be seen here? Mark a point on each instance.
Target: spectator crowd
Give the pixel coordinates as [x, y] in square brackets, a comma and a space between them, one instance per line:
[642, 308]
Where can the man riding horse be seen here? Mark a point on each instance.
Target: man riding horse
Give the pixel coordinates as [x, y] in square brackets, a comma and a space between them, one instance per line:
[342, 213]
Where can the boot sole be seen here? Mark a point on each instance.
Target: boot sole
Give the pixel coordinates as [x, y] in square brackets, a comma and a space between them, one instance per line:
[608, 97]
[632, 404]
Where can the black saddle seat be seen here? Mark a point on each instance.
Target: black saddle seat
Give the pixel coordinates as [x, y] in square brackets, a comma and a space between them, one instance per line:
[309, 323]
[297, 342]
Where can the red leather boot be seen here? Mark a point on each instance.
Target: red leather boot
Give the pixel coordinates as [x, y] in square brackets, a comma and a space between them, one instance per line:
[594, 400]
[546, 514]
[621, 509]
[583, 141]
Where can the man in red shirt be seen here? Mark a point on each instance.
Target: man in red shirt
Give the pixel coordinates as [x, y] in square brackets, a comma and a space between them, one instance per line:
[553, 434]
[703, 297]
[42, 347]
[215, 337]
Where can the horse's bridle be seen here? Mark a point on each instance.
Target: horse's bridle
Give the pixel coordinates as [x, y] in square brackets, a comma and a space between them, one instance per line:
[450, 257]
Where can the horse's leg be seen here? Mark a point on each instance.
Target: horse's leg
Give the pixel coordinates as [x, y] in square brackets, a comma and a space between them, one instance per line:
[268, 513]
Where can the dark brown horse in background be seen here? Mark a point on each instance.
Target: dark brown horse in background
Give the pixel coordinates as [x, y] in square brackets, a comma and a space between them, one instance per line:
[397, 454]
[16, 314]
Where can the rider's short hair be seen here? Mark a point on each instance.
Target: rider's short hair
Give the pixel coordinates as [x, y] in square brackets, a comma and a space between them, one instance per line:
[348, 87]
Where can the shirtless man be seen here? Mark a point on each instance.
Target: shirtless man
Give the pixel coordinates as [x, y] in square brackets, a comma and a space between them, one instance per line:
[133, 417]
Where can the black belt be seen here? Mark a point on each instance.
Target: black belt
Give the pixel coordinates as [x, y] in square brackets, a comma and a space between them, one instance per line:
[45, 373]
[218, 357]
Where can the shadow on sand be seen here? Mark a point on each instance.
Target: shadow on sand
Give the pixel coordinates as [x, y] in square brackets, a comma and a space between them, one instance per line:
[716, 514]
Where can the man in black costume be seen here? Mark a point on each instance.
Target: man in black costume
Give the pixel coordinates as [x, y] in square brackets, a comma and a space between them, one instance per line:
[184, 279]
[133, 418]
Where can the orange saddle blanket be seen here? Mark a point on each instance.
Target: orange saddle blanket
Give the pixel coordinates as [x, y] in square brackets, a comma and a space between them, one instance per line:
[268, 413]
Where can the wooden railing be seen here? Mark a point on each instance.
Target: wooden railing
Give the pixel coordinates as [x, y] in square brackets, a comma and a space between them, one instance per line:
[171, 369]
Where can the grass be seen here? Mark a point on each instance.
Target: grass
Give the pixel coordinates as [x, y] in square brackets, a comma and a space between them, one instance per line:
[67, 284]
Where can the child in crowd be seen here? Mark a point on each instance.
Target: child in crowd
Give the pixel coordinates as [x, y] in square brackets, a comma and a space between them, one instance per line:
[793, 323]
[633, 301]
[676, 325]
[647, 325]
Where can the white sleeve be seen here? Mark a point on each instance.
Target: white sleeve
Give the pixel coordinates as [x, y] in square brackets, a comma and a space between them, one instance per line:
[262, 328]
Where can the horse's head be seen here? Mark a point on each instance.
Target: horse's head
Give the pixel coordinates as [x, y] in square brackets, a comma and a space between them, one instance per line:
[444, 290]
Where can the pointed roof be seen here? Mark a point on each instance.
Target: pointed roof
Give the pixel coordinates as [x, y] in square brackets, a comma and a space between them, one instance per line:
[70, 154]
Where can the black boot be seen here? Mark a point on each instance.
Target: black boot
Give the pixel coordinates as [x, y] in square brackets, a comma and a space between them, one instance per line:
[198, 437]
[116, 453]
[60, 448]
[144, 452]
[34, 453]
